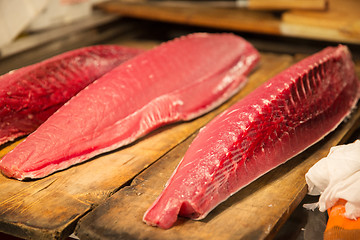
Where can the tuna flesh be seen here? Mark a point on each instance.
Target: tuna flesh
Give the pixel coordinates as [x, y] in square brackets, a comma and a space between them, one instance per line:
[29, 95]
[278, 120]
[178, 80]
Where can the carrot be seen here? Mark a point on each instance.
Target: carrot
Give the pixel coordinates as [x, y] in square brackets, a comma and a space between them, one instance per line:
[340, 227]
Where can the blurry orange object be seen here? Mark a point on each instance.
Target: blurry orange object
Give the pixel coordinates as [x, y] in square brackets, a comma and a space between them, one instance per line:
[340, 227]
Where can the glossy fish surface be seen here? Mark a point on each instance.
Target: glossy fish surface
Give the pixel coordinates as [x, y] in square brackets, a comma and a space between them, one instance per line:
[177, 80]
[29, 95]
[275, 122]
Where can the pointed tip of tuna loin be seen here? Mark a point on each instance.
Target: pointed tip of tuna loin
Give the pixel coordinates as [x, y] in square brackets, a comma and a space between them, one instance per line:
[11, 172]
[163, 215]
[165, 211]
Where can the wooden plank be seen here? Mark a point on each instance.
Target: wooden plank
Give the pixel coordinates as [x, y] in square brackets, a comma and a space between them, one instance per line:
[225, 18]
[255, 212]
[249, 4]
[49, 208]
[341, 22]
[285, 4]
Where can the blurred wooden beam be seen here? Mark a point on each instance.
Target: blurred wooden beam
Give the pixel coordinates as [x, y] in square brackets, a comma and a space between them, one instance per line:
[339, 23]
[235, 19]
[284, 4]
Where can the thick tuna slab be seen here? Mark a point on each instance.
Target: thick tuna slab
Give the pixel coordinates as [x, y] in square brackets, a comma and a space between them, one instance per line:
[275, 122]
[178, 80]
[29, 95]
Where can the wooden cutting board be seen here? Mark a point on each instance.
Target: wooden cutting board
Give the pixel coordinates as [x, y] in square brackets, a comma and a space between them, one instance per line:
[50, 208]
[214, 17]
[339, 22]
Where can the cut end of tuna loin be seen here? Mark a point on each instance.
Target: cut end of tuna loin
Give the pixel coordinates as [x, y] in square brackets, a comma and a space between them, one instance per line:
[275, 122]
[177, 80]
[29, 95]
[13, 172]
[165, 210]
[166, 218]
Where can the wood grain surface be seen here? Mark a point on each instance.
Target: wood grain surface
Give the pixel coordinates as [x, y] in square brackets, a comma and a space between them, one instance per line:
[339, 21]
[287, 4]
[224, 18]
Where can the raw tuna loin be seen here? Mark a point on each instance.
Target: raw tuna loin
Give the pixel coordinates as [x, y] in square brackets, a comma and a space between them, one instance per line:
[178, 80]
[278, 120]
[29, 95]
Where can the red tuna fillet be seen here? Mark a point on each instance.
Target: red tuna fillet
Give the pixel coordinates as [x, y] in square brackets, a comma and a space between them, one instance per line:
[29, 95]
[178, 80]
[275, 122]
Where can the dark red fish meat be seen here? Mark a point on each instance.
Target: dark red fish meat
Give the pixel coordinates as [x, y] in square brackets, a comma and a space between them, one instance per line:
[178, 80]
[278, 120]
[29, 95]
